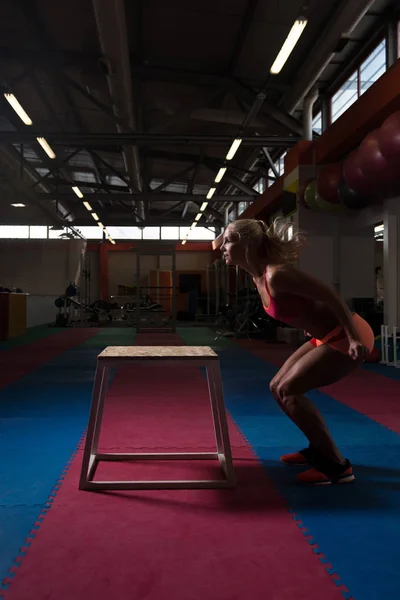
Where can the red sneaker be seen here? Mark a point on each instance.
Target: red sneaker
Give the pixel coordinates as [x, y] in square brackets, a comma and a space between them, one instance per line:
[333, 473]
[301, 458]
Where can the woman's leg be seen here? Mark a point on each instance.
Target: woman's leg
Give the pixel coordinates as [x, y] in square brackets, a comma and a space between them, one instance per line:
[317, 368]
[287, 365]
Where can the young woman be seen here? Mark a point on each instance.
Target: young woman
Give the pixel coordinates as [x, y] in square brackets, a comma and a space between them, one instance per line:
[341, 340]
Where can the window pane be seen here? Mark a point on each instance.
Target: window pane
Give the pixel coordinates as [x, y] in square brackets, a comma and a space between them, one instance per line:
[38, 232]
[202, 233]
[91, 233]
[151, 233]
[55, 234]
[317, 123]
[125, 233]
[242, 207]
[183, 232]
[345, 97]
[14, 231]
[373, 67]
[170, 233]
[260, 186]
[281, 163]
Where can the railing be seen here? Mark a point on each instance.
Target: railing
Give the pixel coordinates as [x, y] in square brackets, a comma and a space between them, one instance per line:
[390, 354]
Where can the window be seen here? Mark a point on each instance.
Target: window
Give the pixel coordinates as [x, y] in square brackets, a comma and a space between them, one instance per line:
[366, 75]
[202, 233]
[260, 186]
[344, 97]
[242, 207]
[317, 123]
[183, 232]
[151, 233]
[91, 233]
[15, 232]
[38, 232]
[125, 233]
[373, 67]
[57, 234]
[170, 233]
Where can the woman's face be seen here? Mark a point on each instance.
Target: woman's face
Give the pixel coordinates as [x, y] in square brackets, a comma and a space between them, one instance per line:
[232, 249]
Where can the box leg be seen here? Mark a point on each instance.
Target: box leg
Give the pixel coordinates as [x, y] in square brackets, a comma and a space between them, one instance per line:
[94, 425]
[220, 421]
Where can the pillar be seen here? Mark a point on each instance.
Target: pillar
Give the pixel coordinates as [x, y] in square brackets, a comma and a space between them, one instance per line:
[391, 262]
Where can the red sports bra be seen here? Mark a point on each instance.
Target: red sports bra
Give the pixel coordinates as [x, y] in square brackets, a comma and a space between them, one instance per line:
[288, 308]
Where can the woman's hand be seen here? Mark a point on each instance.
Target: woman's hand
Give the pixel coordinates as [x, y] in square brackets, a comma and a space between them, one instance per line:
[357, 351]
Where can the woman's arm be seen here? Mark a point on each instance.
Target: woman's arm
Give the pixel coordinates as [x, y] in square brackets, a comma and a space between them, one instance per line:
[288, 280]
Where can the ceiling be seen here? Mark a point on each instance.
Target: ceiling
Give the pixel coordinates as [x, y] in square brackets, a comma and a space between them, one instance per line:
[140, 101]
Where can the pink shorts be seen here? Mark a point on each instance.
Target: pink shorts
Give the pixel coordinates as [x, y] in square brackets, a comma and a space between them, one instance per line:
[338, 340]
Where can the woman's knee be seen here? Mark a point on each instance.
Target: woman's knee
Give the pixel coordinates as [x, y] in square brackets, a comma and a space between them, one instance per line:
[284, 392]
[274, 385]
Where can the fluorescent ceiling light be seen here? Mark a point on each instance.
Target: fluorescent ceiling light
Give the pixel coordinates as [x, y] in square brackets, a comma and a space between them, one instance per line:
[100, 225]
[203, 206]
[198, 217]
[233, 149]
[193, 225]
[211, 192]
[95, 217]
[11, 99]
[77, 191]
[220, 174]
[18, 205]
[288, 45]
[87, 205]
[49, 151]
[379, 228]
[183, 242]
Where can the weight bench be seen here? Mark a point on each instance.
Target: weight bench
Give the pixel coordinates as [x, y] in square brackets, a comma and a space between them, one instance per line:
[199, 356]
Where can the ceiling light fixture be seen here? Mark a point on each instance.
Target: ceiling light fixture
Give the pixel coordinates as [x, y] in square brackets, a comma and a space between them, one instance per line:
[183, 242]
[211, 192]
[288, 45]
[220, 174]
[203, 206]
[234, 148]
[95, 217]
[77, 191]
[11, 99]
[87, 206]
[198, 217]
[49, 151]
[18, 205]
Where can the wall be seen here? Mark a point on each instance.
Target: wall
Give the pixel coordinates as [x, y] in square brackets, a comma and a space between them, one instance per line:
[43, 267]
[40, 310]
[94, 265]
[339, 252]
[122, 266]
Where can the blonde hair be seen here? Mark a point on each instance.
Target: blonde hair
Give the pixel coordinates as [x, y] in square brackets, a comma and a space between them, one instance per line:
[279, 242]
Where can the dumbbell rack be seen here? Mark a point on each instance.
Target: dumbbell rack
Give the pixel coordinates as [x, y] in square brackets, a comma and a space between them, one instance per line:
[386, 335]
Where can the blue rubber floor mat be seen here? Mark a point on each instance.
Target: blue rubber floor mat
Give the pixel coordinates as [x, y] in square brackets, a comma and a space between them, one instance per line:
[355, 526]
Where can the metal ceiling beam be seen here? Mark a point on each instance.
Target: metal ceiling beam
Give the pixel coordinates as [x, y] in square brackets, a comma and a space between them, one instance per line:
[246, 23]
[113, 40]
[164, 197]
[269, 110]
[156, 73]
[231, 117]
[125, 139]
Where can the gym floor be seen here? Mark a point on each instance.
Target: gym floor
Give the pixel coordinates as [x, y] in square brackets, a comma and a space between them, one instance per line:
[268, 539]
